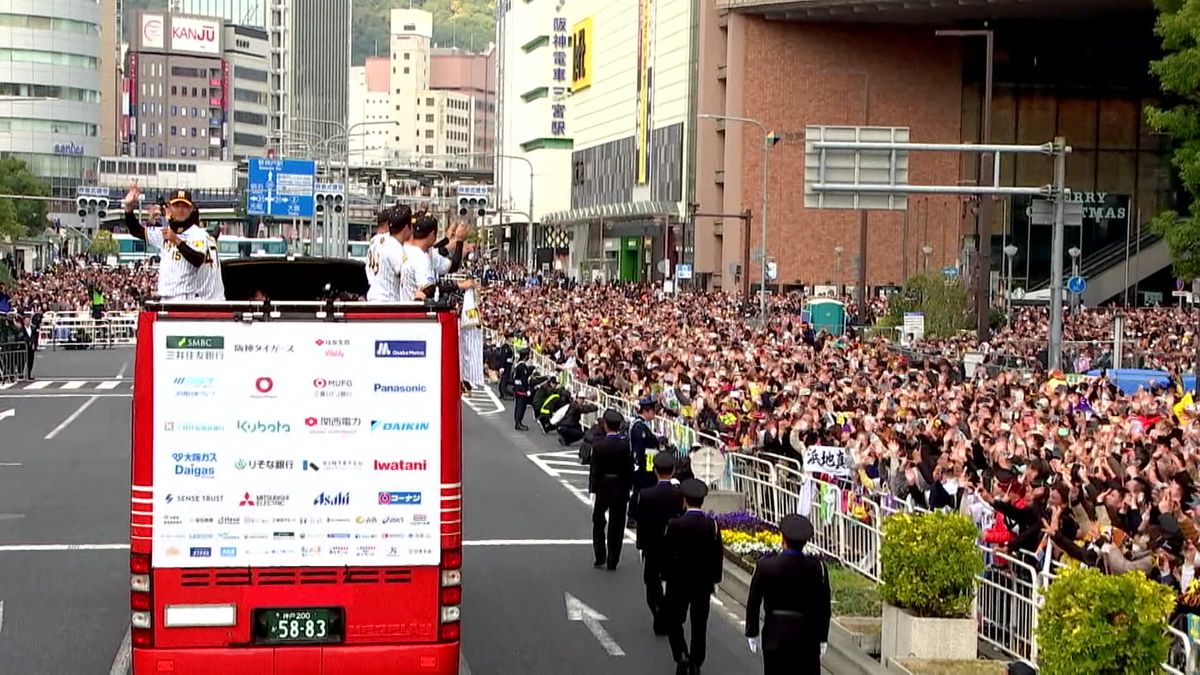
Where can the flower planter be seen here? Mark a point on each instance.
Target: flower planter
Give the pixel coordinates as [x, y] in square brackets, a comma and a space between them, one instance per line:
[926, 667]
[866, 632]
[906, 636]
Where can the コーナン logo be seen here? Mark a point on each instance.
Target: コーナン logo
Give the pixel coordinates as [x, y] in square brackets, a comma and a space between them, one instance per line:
[399, 498]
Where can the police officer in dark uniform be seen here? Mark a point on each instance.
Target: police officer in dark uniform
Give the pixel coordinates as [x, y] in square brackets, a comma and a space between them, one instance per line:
[693, 560]
[507, 359]
[609, 479]
[655, 507]
[522, 387]
[794, 590]
[641, 440]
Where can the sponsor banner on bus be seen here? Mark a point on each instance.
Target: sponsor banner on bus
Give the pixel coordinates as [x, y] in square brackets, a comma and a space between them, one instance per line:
[294, 443]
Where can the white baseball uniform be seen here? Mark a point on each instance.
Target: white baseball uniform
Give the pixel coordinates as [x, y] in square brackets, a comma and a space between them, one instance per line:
[387, 286]
[374, 256]
[178, 279]
[417, 273]
[470, 341]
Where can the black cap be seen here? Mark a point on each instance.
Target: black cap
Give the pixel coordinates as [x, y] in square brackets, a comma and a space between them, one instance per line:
[664, 461]
[612, 417]
[796, 528]
[424, 226]
[181, 197]
[693, 489]
[385, 214]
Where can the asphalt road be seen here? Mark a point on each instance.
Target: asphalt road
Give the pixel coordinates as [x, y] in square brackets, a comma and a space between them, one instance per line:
[64, 482]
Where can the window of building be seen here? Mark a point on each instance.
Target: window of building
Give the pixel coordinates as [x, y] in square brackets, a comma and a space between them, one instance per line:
[195, 131]
[173, 150]
[429, 100]
[429, 149]
[429, 133]
[174, 130]
[406, 70]
[429, 118]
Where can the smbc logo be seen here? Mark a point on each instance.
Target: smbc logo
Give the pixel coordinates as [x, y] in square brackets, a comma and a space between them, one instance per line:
[195, 342]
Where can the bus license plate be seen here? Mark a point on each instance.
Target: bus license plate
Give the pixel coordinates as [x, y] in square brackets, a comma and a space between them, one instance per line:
[298, 626]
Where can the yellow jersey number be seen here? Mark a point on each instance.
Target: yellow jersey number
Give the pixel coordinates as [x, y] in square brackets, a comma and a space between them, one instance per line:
[373, 262]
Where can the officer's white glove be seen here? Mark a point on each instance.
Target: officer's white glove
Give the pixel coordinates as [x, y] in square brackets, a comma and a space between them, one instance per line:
[753, 642]
[824, 648]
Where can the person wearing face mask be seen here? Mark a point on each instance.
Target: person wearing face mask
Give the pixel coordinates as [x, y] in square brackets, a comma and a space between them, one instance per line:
[190, 268]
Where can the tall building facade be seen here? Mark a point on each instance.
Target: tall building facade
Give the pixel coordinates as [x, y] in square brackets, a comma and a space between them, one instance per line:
[110, 77]
[50, 89]
[178, 85]
[310, 42]
[411, 40]
[248, 54]
[370, 104]
[252, 13]
[474, 76]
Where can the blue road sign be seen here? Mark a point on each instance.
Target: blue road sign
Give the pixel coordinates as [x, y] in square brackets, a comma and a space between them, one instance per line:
[1076, 285]
[950, 272]
[280, 187]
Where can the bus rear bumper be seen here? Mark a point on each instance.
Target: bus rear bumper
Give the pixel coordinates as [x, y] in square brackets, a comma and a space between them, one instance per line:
[416, 659]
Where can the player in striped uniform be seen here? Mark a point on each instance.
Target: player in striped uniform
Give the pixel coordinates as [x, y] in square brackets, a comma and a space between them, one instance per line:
[381, 232]
[391, 260]
[189, 267]
[470, 339]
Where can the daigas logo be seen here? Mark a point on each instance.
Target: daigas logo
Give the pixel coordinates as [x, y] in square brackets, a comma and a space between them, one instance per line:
[383, 425]
[399, 349]
[260, 427]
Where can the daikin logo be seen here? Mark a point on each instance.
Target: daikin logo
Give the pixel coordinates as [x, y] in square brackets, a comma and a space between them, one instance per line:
[382, 425]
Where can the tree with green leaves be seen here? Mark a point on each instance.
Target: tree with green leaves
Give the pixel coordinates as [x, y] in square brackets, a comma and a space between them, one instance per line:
[21, 217]
[466, 24]
[1178, 26]
[943, 301]
[103, 245]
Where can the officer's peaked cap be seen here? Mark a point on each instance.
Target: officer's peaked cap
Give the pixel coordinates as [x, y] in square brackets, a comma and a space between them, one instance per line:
[612, 417]
[796, 528]
[693, 489]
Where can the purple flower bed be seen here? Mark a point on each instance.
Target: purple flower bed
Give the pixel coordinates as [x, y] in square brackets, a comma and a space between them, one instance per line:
[742, 521]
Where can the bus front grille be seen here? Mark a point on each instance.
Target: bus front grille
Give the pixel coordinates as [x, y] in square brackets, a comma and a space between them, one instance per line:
[295, 577]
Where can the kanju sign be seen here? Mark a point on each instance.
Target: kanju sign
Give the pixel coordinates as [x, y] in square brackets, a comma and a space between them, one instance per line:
[202, 36]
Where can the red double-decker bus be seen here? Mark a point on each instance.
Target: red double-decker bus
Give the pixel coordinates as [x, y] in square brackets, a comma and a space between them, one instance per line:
[296, 484]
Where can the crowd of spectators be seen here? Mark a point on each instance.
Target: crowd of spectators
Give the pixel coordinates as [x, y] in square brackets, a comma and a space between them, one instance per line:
[1034, 456]
[69, 285]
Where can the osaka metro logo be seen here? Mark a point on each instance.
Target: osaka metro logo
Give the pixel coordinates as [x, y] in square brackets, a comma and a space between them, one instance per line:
[399, 349]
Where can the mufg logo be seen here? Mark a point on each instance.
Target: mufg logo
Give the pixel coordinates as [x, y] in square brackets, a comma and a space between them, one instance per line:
[399, 349]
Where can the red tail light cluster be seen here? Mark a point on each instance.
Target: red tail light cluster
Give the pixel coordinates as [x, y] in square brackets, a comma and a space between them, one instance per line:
[141, 601]
[451, 594]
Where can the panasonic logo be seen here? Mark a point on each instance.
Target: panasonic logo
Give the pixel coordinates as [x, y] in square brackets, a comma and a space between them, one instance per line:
[401, 388]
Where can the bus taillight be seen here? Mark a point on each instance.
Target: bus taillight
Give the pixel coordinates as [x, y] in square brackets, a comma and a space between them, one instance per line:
[140, 602]
[451, 594]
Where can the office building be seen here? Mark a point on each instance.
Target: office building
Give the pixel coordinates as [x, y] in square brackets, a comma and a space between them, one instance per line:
[248, 53]
[474, 76]
[110, 77]
[411, 35]
[50, 86]
[370, 105]
[310, 41]
[178, 86]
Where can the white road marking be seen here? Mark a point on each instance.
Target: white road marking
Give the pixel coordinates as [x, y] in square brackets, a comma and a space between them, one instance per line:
[6, 385]
[578, 611]
[121, 372]
[111, 384]
[73, 384]
[11, 412]
[44, 548]
[40, 384]
[122, 662]
[66, 395]
[74, 416]
[1, 616]
[11, 464]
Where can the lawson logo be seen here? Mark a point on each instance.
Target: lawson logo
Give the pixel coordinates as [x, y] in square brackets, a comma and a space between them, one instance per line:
[383, 425]
[399, 349]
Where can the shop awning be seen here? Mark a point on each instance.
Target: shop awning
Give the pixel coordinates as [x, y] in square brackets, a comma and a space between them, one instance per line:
[640, 210]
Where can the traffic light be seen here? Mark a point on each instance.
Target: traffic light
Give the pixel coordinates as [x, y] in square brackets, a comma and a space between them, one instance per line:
[469, 204]
[97, 205]
[335, 201]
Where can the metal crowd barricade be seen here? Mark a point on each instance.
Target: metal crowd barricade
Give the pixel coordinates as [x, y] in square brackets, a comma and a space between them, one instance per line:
[1182, 658]
[80, 331]
[1007, 604]
[12, 361]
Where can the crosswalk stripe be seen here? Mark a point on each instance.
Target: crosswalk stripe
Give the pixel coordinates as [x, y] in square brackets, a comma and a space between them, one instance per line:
[73, 384]
[41, 384]
[6, 385]
[111, 384]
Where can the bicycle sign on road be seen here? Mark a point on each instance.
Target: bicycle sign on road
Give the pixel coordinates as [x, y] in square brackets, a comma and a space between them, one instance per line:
[280, 187]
